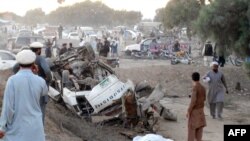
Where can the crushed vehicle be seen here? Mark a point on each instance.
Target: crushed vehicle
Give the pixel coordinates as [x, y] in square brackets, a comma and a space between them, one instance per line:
[89, 87]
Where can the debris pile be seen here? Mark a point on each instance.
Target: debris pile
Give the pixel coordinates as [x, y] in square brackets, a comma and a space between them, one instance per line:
[89, 87]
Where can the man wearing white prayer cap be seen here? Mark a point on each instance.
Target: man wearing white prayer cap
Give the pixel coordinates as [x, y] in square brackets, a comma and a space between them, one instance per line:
[217, 88]
[43, 71]
[214, 63]
[26, 57]
[21, 117]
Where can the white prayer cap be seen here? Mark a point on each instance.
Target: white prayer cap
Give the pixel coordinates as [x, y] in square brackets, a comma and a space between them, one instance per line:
[25, 57]
[36, 45]
[214, 63]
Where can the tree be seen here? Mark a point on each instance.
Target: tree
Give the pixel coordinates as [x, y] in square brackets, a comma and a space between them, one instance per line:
[227, 22]
[34, 16]
[179, 13]
[10, 16]
[92, 14]
[160, 14]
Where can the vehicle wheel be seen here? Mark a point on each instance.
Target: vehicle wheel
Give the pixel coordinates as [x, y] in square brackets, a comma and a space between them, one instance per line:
[173, 61]
[128, 53]
[135, 55]
[150, 55]
[238, 62]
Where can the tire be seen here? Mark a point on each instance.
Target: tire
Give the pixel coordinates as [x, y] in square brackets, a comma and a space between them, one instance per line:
[150, 55]
[128, 53]
[238, 62]
[173, 61]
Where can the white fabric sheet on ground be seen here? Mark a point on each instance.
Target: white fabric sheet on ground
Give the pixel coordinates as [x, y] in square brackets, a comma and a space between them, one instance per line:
[151, 137]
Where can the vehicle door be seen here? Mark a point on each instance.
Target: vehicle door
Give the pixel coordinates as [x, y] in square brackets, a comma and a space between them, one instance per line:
[145, 45]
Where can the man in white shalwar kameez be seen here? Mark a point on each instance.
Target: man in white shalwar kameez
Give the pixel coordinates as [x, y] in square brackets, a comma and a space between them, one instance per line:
[21, 118]
[217, 89]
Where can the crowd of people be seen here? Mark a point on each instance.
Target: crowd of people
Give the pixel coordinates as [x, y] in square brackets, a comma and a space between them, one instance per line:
[104, 47]
[26, 92]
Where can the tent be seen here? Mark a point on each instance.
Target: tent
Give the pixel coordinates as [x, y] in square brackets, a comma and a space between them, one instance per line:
[4, 22]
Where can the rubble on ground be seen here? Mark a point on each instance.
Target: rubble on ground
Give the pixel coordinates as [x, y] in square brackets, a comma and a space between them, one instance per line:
[89, 87]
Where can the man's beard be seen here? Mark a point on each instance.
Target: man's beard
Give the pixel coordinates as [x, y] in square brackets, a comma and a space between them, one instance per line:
[215, 70]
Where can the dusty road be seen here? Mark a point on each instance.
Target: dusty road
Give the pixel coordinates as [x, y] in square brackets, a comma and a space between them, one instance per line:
[177, 81]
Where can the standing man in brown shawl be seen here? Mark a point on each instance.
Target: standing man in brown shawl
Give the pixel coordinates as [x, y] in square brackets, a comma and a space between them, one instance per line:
[195, 113]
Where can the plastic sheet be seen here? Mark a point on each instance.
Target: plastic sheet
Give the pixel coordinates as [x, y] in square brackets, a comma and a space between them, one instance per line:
[151, 137]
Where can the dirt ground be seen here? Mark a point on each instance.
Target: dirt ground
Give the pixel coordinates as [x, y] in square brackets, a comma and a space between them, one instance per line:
[177, 82]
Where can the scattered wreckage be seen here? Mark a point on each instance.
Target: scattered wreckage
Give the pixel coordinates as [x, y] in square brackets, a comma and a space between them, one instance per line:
[89, 87]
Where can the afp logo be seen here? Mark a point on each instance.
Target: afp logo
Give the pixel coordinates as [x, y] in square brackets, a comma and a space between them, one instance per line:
[236, 132]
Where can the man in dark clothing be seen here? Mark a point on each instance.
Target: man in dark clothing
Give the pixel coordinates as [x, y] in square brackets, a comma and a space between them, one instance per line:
[98, 45]
[176, 47]
[60, 29]
[43, 71]
[219, 51]
[114, 46]
[208, 52]
[70, 47]
[48, 51]
[152, 34]
[63, 49]
[105, 48]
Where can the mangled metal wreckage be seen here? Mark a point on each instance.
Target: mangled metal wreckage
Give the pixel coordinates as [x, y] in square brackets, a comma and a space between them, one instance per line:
[87, 86]
[90, 87]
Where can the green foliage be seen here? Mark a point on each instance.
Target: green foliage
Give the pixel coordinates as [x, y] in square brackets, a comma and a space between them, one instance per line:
[10, 16]
[227, 22]
[92, 13]
[160, 15]
[247, 68]
[84, 13]
[34, 16]
[181, 12]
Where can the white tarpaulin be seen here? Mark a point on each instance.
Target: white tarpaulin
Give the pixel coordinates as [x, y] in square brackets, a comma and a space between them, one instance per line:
[151, 137]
